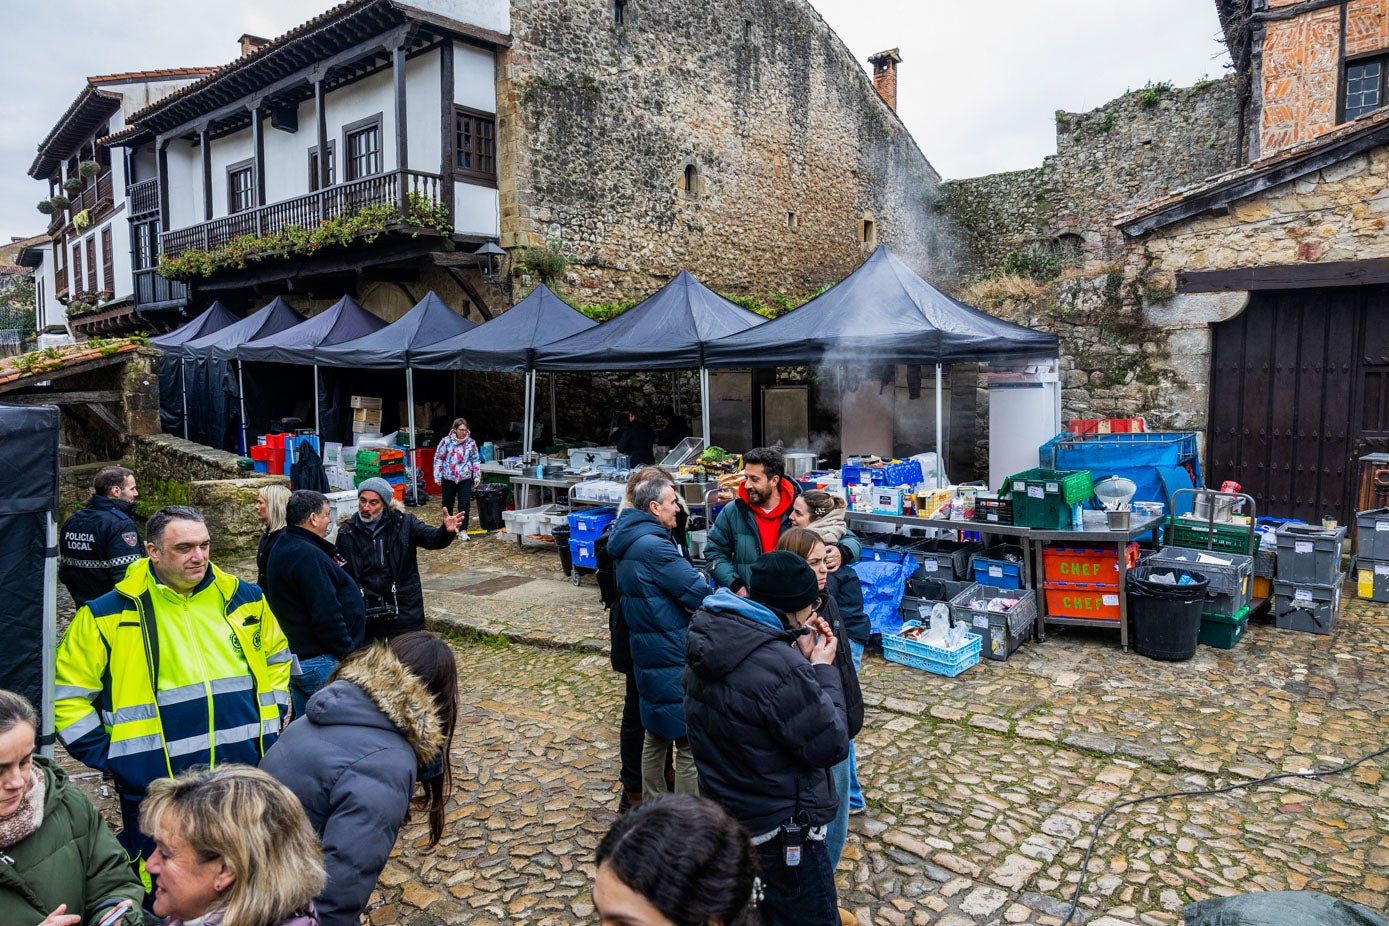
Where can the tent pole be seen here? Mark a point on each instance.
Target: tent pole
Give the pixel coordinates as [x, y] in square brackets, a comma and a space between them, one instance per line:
[183, 380]
[410, 417]
[704, 403]
[554, 412]
[527, 412]
[317, 425]
[940, 453]
[50, 636]
[241, 388]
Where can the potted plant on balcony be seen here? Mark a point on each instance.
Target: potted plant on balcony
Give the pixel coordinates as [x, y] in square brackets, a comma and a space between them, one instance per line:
[88, 169]
[46, 207]
[73, 185]
[59, 202]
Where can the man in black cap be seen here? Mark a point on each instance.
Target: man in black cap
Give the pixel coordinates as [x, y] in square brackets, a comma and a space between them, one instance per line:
[768, 761]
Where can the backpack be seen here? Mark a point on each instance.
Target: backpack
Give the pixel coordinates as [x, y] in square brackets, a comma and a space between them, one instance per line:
[620, 642]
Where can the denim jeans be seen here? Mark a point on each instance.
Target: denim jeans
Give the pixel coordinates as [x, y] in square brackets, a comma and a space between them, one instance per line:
[856, 801]
[837, 830]
[799, 896]
[316, 672]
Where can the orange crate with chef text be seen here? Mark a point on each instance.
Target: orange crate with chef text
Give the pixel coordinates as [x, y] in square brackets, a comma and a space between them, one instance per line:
[1085, 565]
[1092, 602]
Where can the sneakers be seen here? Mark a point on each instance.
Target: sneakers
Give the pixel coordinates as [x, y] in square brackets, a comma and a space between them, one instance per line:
[855, 811]
[463, 535]
[846, 918]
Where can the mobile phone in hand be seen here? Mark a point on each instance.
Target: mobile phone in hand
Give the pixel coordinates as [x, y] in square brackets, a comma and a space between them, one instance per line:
[115, 914]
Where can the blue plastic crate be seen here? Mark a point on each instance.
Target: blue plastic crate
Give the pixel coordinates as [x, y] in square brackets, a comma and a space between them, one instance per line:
[907, 472]
[991, 568]
[582, 553]
[918, 655]
[590, 523]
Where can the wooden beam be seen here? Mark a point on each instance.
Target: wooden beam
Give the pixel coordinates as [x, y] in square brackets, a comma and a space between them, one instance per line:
[447, 94]
[1286, 276]
[105, 416]
[162, 169]
[408, 243]
[258, 142]
[471, 291]
[455, 259]
[63, 398]
[206, 150]
[321, 108]
[302, 76]
[15, 385]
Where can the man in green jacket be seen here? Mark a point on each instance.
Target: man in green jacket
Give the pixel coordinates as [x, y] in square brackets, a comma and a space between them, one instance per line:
[750, 525]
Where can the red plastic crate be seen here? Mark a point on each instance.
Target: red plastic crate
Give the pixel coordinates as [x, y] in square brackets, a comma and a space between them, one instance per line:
[275, 462]
[1085, 565]
[1093, 602]
[1107, 425]
[260, 452]
[424, 462]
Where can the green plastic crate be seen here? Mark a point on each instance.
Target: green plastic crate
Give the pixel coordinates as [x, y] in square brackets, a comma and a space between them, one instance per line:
[1042, 498]
[1223, 631]
[1229, 538]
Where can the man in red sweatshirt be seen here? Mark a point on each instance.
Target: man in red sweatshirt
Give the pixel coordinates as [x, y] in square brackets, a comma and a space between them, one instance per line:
[752, 523]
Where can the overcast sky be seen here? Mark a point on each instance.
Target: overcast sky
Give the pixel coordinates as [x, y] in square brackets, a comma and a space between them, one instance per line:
[979, 85]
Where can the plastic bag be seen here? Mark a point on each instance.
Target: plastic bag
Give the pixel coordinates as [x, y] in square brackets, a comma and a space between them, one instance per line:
[884, 585]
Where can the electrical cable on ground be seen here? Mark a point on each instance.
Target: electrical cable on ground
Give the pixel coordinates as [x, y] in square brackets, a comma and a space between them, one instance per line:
[1095, 833]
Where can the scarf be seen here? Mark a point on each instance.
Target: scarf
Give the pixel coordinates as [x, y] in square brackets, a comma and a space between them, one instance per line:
[832, 527]
[29, 817]
[211, 918]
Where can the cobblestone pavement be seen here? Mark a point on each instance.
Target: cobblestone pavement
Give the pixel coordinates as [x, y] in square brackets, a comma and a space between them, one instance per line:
[982, 789]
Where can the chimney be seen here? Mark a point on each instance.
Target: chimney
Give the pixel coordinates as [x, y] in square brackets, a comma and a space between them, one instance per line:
[885, 75]
[250, 43]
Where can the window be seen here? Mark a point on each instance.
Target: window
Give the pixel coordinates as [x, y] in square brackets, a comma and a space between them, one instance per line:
[792, 221]
[474, 145]
[332, 165]
[108, 260]
[241, 186]
[868, 233]
[91, 264]
[143, 235]
[692, 181]
[747, 31]
[362, 144]
[1364, 86]
[77, 267]
[619, 12]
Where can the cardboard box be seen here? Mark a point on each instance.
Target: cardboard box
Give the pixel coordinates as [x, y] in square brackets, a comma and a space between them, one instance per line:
[366, 401]
[885, 500]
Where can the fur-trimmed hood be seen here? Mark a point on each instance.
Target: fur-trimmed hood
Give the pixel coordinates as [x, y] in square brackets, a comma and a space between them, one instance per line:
[396, 695]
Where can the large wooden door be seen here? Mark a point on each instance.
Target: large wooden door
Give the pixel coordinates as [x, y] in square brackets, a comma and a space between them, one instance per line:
[1285, 380]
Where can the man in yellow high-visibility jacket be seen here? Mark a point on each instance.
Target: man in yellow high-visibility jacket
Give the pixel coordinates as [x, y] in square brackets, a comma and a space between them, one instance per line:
[180, 665]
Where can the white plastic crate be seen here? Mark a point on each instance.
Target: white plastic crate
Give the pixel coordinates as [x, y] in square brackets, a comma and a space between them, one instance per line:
[535, 522]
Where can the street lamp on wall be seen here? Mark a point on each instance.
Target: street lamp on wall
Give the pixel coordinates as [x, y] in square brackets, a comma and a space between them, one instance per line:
[491, 260]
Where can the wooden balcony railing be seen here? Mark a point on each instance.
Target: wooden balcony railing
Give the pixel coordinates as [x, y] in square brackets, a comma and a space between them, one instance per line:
[152, 289]
[96, 199]
[305, 211]
[143, 197]
[60, 282]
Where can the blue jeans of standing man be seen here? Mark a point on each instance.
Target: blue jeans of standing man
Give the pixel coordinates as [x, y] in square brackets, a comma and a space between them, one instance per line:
[316, 672]
[803, 895]
[845, 780]
[856, 801]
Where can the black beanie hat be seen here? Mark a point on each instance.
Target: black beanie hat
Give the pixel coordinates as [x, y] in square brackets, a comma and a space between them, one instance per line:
[783, 580]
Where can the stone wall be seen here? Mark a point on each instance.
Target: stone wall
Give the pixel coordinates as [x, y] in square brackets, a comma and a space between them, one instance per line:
[1130, 150]
[786, 147]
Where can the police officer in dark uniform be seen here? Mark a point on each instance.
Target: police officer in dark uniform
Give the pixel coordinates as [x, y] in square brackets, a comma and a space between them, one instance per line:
[99, 541]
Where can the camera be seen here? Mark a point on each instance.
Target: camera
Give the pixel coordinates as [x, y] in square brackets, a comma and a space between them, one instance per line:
[380, 608]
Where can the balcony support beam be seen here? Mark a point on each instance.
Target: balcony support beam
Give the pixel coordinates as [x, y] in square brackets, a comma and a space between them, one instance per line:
[402, 154]
[320, 94]
[207, 172]
[258, 139]
[447, 95]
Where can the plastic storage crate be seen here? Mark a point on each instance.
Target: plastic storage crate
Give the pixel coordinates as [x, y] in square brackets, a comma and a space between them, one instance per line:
[534, 522]
[1087, 602]
[590, 524]
[1085, 565]
[1042, 498]
[1308, 608]
[1223, 631]
[992, 566]
[994, 509]
[896, 473]
[1192, 534]
[1231, 576]
[1372, 534]
[582, 554]
[1000, 632]
[1308, 555]
[918, 655]
[948, 559]
[933, 588]
[1371, 579]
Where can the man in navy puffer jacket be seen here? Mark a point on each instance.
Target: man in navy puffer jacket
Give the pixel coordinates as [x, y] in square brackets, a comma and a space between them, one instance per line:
[660, 590]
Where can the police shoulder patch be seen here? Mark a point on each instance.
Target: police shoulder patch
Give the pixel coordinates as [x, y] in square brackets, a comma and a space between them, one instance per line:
[131, 538]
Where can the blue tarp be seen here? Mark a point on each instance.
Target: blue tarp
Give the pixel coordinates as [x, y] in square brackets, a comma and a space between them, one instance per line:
[884, 583]
[1158, 463]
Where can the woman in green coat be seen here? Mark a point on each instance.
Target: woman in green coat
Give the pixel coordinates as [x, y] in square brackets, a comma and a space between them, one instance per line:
[61, 864]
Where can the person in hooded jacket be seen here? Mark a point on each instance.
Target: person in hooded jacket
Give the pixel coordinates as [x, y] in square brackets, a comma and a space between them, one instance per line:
[383, 724]
[659, 590]
[377, 545]
[307, 470]
[765, 709]
[750, 525]
[61, 860]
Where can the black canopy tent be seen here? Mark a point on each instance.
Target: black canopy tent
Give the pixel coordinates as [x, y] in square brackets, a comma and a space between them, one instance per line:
[345, 321]
[883, 313]
[399, 344]
[172, 381]
[668, 330]
[29, 556]
[212, 355]
[509, 343]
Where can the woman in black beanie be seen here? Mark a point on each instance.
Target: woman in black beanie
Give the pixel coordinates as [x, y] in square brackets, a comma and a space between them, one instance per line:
[766, 758]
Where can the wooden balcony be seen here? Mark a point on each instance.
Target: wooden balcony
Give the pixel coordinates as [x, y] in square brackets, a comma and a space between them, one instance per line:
[153, 291]
[304, 211]
[143, 197]
[96, 199]
[60, 282]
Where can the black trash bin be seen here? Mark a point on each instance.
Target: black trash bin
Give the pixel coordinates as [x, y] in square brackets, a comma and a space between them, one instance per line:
[1165, 616]
[491, 501]
[566, 556]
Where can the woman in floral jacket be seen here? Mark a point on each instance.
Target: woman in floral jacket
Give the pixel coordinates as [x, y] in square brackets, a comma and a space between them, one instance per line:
[458, 468]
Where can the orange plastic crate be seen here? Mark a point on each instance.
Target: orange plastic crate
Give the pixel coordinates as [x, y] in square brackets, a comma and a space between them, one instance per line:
[1093, 602]
[1085, 565]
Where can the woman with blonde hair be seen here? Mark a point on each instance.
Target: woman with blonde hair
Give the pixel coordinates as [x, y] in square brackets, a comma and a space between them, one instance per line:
[271, 502]
[233, 847]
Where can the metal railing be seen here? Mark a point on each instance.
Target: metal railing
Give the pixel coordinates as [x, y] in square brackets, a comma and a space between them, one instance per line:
[304, 211]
